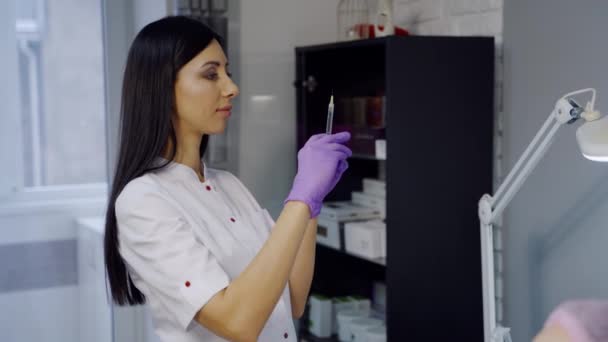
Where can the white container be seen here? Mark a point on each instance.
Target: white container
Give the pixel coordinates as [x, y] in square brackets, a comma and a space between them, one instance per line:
[344, 211]
[328, 233]
[384, 18]
[344, 319]
[360, 326]
[374, 187]
[379, 296]
[341, 304]
[368, 200]
[366, 239]
[320, 317]
[377, 334]
[381, 149]
[363, 304]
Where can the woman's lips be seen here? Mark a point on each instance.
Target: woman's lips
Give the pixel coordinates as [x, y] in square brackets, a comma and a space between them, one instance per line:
[225, 110]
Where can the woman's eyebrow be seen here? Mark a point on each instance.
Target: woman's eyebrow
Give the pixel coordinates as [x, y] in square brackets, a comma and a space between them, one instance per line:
[216, 63]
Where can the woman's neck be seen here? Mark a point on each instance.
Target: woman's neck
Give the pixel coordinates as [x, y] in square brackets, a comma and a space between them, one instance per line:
[187, 153]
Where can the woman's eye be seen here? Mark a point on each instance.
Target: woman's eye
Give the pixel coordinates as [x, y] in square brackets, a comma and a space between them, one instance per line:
[211, 77]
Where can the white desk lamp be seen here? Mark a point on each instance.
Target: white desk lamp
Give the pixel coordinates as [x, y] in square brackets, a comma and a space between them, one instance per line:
[592, 138]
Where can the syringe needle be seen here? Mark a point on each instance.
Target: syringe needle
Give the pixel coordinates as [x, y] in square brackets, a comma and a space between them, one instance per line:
[330, 114]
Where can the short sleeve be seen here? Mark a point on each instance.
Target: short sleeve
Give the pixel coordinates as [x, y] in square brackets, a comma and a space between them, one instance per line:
[179, 274]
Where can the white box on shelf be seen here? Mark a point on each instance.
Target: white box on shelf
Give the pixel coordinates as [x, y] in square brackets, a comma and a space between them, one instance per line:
[343, 319]
[366, 238]
[320, 316]
[374, 187]
[348, 211]
[363, 304]
[381, 149]
[328, 233]
[372, 201]
[341, 304]
[379, 296]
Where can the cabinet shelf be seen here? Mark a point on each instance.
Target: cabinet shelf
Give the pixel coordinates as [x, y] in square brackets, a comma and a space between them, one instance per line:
[366, 157]
[378, 261]
[436, 101]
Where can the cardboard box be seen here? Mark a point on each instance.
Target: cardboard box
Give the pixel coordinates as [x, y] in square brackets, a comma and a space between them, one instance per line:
[366, 239]
[374, 187]
[330, 233]
[363, 139]
[371, 201]
[345, 211]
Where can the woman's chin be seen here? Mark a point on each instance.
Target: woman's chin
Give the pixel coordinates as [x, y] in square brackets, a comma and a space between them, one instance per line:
[216, 131]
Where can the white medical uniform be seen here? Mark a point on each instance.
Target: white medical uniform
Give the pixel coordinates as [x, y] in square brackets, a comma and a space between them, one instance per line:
[184, 240]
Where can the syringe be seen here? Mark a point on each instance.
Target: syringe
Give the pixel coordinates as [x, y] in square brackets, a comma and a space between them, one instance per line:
[330, 115]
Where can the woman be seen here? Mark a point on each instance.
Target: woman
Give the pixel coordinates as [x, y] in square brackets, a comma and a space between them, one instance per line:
[191, 241]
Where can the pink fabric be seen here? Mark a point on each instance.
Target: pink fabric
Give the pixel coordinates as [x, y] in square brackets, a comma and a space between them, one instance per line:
[584, 320]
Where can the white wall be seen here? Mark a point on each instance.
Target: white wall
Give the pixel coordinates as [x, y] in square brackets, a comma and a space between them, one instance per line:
[269, 32]
[555, 228]
[146, 11]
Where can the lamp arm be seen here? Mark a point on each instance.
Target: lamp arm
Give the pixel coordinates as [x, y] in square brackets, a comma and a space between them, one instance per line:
[491, 207]
[566, 111]
[503, 187]
[501, 203]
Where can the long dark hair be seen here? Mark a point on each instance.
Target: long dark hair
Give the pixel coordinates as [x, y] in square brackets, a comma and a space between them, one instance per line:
[156, 55]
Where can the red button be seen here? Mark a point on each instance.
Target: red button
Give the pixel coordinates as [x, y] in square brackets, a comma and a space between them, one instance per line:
[285, 335]
[232, 219]
[208, 188]
[187, 284]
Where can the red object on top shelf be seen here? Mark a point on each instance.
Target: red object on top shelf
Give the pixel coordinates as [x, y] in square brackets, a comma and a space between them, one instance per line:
[372, 30]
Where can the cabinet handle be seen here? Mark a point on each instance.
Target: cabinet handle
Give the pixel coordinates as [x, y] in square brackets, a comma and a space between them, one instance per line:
[310, 83]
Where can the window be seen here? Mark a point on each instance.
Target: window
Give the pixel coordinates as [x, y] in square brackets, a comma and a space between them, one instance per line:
[60, 53]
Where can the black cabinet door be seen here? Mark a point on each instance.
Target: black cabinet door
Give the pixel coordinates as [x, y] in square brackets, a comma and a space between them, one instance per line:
[439, 163]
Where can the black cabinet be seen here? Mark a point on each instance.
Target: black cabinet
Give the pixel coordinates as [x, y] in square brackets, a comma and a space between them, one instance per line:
[436, 99]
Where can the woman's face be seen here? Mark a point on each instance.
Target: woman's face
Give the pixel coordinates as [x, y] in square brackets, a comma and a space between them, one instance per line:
[203, 92]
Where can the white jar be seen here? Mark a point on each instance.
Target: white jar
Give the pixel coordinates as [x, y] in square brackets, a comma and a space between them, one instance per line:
[377, 334]
[360, 326]
[344, 319]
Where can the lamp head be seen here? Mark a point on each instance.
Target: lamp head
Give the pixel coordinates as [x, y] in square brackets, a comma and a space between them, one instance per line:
[592, 135]
[592, 139]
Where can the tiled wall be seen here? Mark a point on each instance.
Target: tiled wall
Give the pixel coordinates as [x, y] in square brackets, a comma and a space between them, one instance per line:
[466, 18]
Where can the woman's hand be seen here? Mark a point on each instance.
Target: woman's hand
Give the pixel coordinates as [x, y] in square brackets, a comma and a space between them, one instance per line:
[321, 162]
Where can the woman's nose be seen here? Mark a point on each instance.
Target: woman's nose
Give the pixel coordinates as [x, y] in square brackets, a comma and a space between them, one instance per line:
[232, 90]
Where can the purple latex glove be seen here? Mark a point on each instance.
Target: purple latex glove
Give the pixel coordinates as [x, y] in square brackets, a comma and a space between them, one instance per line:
[321, 162]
